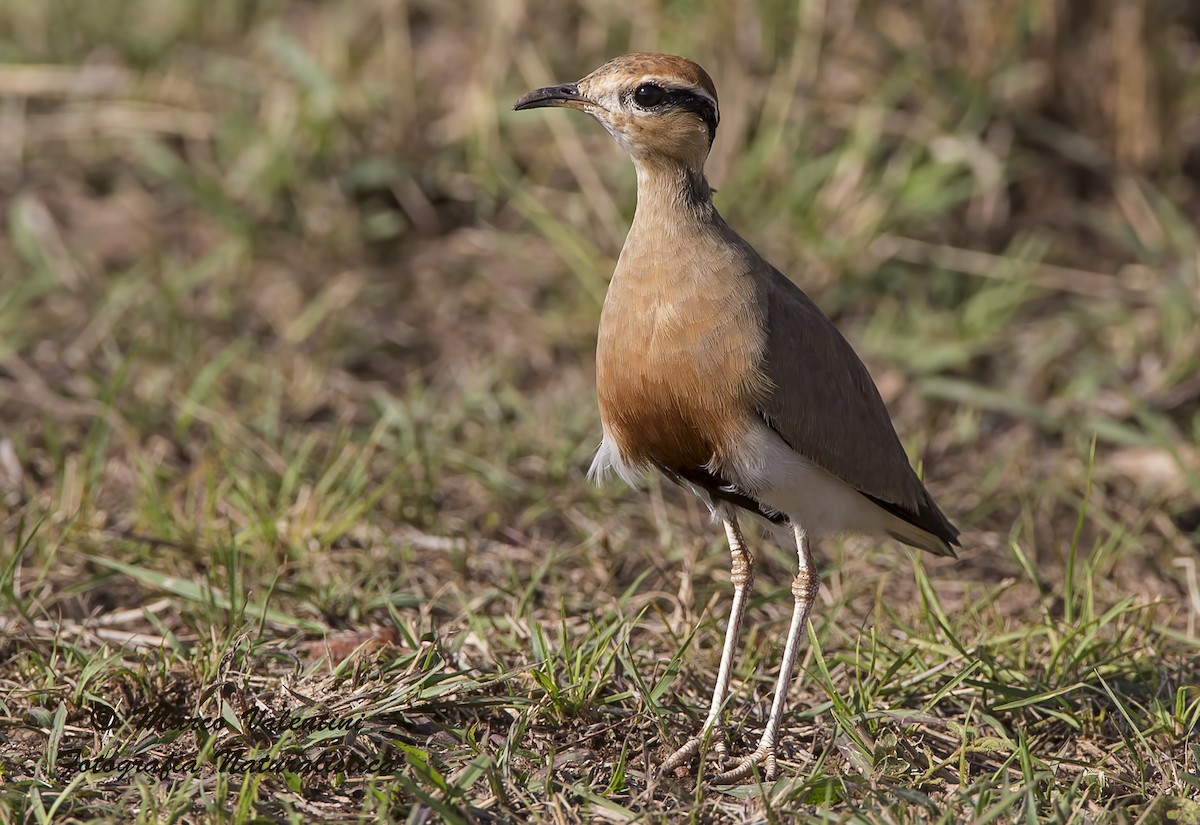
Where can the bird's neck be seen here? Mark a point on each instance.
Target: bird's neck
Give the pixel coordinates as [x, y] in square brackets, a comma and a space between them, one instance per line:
[671, 194]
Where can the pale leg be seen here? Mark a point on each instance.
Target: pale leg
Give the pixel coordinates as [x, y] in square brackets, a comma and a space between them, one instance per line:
[804, 588]
[742, 576]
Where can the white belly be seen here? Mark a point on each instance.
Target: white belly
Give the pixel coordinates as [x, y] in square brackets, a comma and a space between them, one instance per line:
[823, 505]
[769, 470]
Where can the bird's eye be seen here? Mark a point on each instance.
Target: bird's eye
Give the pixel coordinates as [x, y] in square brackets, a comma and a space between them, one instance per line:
[649, 95]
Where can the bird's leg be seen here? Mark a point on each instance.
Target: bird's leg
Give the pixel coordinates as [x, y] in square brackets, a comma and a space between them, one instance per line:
[742, 576]
[804, 588]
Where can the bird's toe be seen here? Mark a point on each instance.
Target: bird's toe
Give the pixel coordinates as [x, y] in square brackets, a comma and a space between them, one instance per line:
[721, 751]
[714, 737]
[763, 758]
[689, 749]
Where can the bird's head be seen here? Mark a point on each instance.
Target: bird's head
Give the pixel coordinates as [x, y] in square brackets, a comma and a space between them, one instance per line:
[659, 107]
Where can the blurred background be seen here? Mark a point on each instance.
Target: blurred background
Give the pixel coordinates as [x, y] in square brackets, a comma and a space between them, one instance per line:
[241, 235]
[290, 278]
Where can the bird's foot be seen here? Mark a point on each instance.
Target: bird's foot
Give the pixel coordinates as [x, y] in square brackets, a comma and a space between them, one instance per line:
[690, 748]
[693, 746]
[763, 758]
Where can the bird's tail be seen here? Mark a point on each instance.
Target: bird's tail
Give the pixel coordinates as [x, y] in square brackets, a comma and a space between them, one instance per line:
[914, 536]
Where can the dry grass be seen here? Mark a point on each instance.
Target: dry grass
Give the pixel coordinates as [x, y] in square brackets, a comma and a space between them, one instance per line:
[296, 396]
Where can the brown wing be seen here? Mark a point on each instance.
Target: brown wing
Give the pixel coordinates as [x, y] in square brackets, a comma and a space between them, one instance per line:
[825, 405]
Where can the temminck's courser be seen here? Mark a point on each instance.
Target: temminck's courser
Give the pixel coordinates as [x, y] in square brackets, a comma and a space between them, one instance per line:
[717, 370]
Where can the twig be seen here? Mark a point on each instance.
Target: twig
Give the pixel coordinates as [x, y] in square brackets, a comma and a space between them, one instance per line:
[987, 265]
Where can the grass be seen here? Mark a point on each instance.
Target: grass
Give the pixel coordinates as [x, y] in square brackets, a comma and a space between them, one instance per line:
[296, 399]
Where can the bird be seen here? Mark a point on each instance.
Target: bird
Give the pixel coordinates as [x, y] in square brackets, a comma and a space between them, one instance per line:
[717, 371]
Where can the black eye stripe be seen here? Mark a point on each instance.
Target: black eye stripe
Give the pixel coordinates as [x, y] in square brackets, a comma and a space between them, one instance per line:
[698, 105]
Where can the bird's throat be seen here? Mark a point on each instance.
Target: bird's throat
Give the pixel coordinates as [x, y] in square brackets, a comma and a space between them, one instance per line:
[673, 191]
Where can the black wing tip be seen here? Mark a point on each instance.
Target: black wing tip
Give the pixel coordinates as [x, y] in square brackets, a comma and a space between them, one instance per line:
[927, 542]
[949, 540]
[945, 529]
[928, 519]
